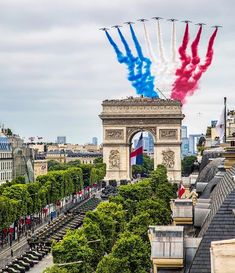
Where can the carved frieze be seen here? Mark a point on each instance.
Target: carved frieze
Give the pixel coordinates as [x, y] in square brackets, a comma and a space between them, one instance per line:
[168, 158]
[114, 134]
[168, 134]
[126, 122]
[114, 159]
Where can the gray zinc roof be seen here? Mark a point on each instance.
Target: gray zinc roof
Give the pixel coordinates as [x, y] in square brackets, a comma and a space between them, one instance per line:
[220, 223]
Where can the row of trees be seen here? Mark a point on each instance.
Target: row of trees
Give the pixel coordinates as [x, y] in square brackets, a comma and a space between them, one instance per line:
[114, 236]
[18, 199]
[91, 172]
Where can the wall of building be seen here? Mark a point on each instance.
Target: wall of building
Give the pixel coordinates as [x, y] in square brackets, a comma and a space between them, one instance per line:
[6, 160]
[40, 168]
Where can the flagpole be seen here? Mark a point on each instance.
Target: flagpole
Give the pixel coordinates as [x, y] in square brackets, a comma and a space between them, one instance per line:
[225, 118]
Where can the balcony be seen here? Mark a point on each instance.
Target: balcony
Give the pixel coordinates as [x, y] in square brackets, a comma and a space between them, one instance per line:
[167, 246]
[182, 211]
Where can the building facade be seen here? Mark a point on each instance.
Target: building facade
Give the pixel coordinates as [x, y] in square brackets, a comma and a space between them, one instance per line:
[95, 141]
[40, 167]
[6, 160]
[61, 140]
[23, 157]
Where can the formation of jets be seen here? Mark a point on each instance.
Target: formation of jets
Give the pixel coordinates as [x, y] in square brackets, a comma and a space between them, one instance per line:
[157, 19]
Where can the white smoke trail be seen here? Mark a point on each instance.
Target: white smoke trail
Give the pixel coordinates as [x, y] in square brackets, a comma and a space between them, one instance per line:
[166, 73]
[173, 43]
[149, 44]
[160, 43]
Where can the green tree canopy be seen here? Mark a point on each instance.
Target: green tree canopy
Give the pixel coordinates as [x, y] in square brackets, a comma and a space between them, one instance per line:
[144, 169]
[187, 164]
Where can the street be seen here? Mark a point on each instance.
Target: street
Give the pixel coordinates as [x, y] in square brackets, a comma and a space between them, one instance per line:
[44, 263]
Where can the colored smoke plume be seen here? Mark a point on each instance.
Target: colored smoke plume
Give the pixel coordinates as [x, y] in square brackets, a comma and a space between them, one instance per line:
[187, 83]
[149, 44]
[160, 43]
[138, 68]
[121, 58]
[173, 43]
[146, 83]
[185, 59]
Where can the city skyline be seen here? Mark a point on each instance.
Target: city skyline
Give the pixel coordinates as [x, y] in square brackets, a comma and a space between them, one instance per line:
[56, 67]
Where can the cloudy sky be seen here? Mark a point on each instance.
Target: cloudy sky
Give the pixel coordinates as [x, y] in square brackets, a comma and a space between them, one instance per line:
[56, 67]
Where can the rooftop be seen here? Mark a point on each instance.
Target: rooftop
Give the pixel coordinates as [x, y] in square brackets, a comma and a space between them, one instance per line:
[219, 224]
[141, 101]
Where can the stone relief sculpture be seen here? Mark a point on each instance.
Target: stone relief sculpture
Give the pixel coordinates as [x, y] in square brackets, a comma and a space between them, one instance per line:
[114, 159]
[113, 134]
[168, 133]
[168, 158]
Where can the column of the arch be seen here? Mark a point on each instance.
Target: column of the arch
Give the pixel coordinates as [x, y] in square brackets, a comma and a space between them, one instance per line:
[169, 144]
[116, 145]
[155, 162]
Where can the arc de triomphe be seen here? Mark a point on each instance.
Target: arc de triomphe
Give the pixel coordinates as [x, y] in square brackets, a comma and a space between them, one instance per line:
[122, 119]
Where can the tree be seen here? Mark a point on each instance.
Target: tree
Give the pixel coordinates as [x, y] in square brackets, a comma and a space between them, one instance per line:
[33, 189]
[166, 191]
[95, 240]
[74, 163]
[106, 225]
[98, 160]
[139, 225]
[157, 177]
[56, 166]
[138, 191]
[116, 212]
[187, 164]
[135, 250]
[86, 171]
[55, 269]
[18, 180]
[8, 211]
[144, 169]
[110, 264]
[158, 210]
[73, 248]
[8, 132]
[20, 194]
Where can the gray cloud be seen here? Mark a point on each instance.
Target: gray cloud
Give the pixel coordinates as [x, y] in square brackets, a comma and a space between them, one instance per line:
[56, 67]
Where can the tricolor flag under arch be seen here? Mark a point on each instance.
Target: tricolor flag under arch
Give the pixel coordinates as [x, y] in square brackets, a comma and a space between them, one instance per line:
[137, 154]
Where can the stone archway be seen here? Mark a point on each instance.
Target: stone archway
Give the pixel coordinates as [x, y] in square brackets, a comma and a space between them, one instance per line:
[124, 118]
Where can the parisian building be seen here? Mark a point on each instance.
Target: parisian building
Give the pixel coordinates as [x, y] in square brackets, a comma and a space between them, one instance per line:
[6, 160]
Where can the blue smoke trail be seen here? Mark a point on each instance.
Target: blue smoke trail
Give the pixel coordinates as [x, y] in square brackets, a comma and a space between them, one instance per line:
[133, 76]
[129, 60]
[147, 80]
[121, 58]
[143, 83]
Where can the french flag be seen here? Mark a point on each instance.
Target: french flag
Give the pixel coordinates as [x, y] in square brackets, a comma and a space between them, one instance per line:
[137, 154]
[181, 190]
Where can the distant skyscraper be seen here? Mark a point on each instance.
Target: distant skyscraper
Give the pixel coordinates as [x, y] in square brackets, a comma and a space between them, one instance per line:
[95, 141]
[185, 147]
[185, 142]
[148, 143]
[61, 140]
[184, 132]
[193, 141]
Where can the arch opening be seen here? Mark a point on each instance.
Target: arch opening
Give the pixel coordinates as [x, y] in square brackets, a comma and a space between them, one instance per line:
[141, 168]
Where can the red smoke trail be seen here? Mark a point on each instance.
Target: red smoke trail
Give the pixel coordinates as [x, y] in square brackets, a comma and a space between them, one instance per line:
[185, 59]
[210, 52]
[188, 83]
[194, 47]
